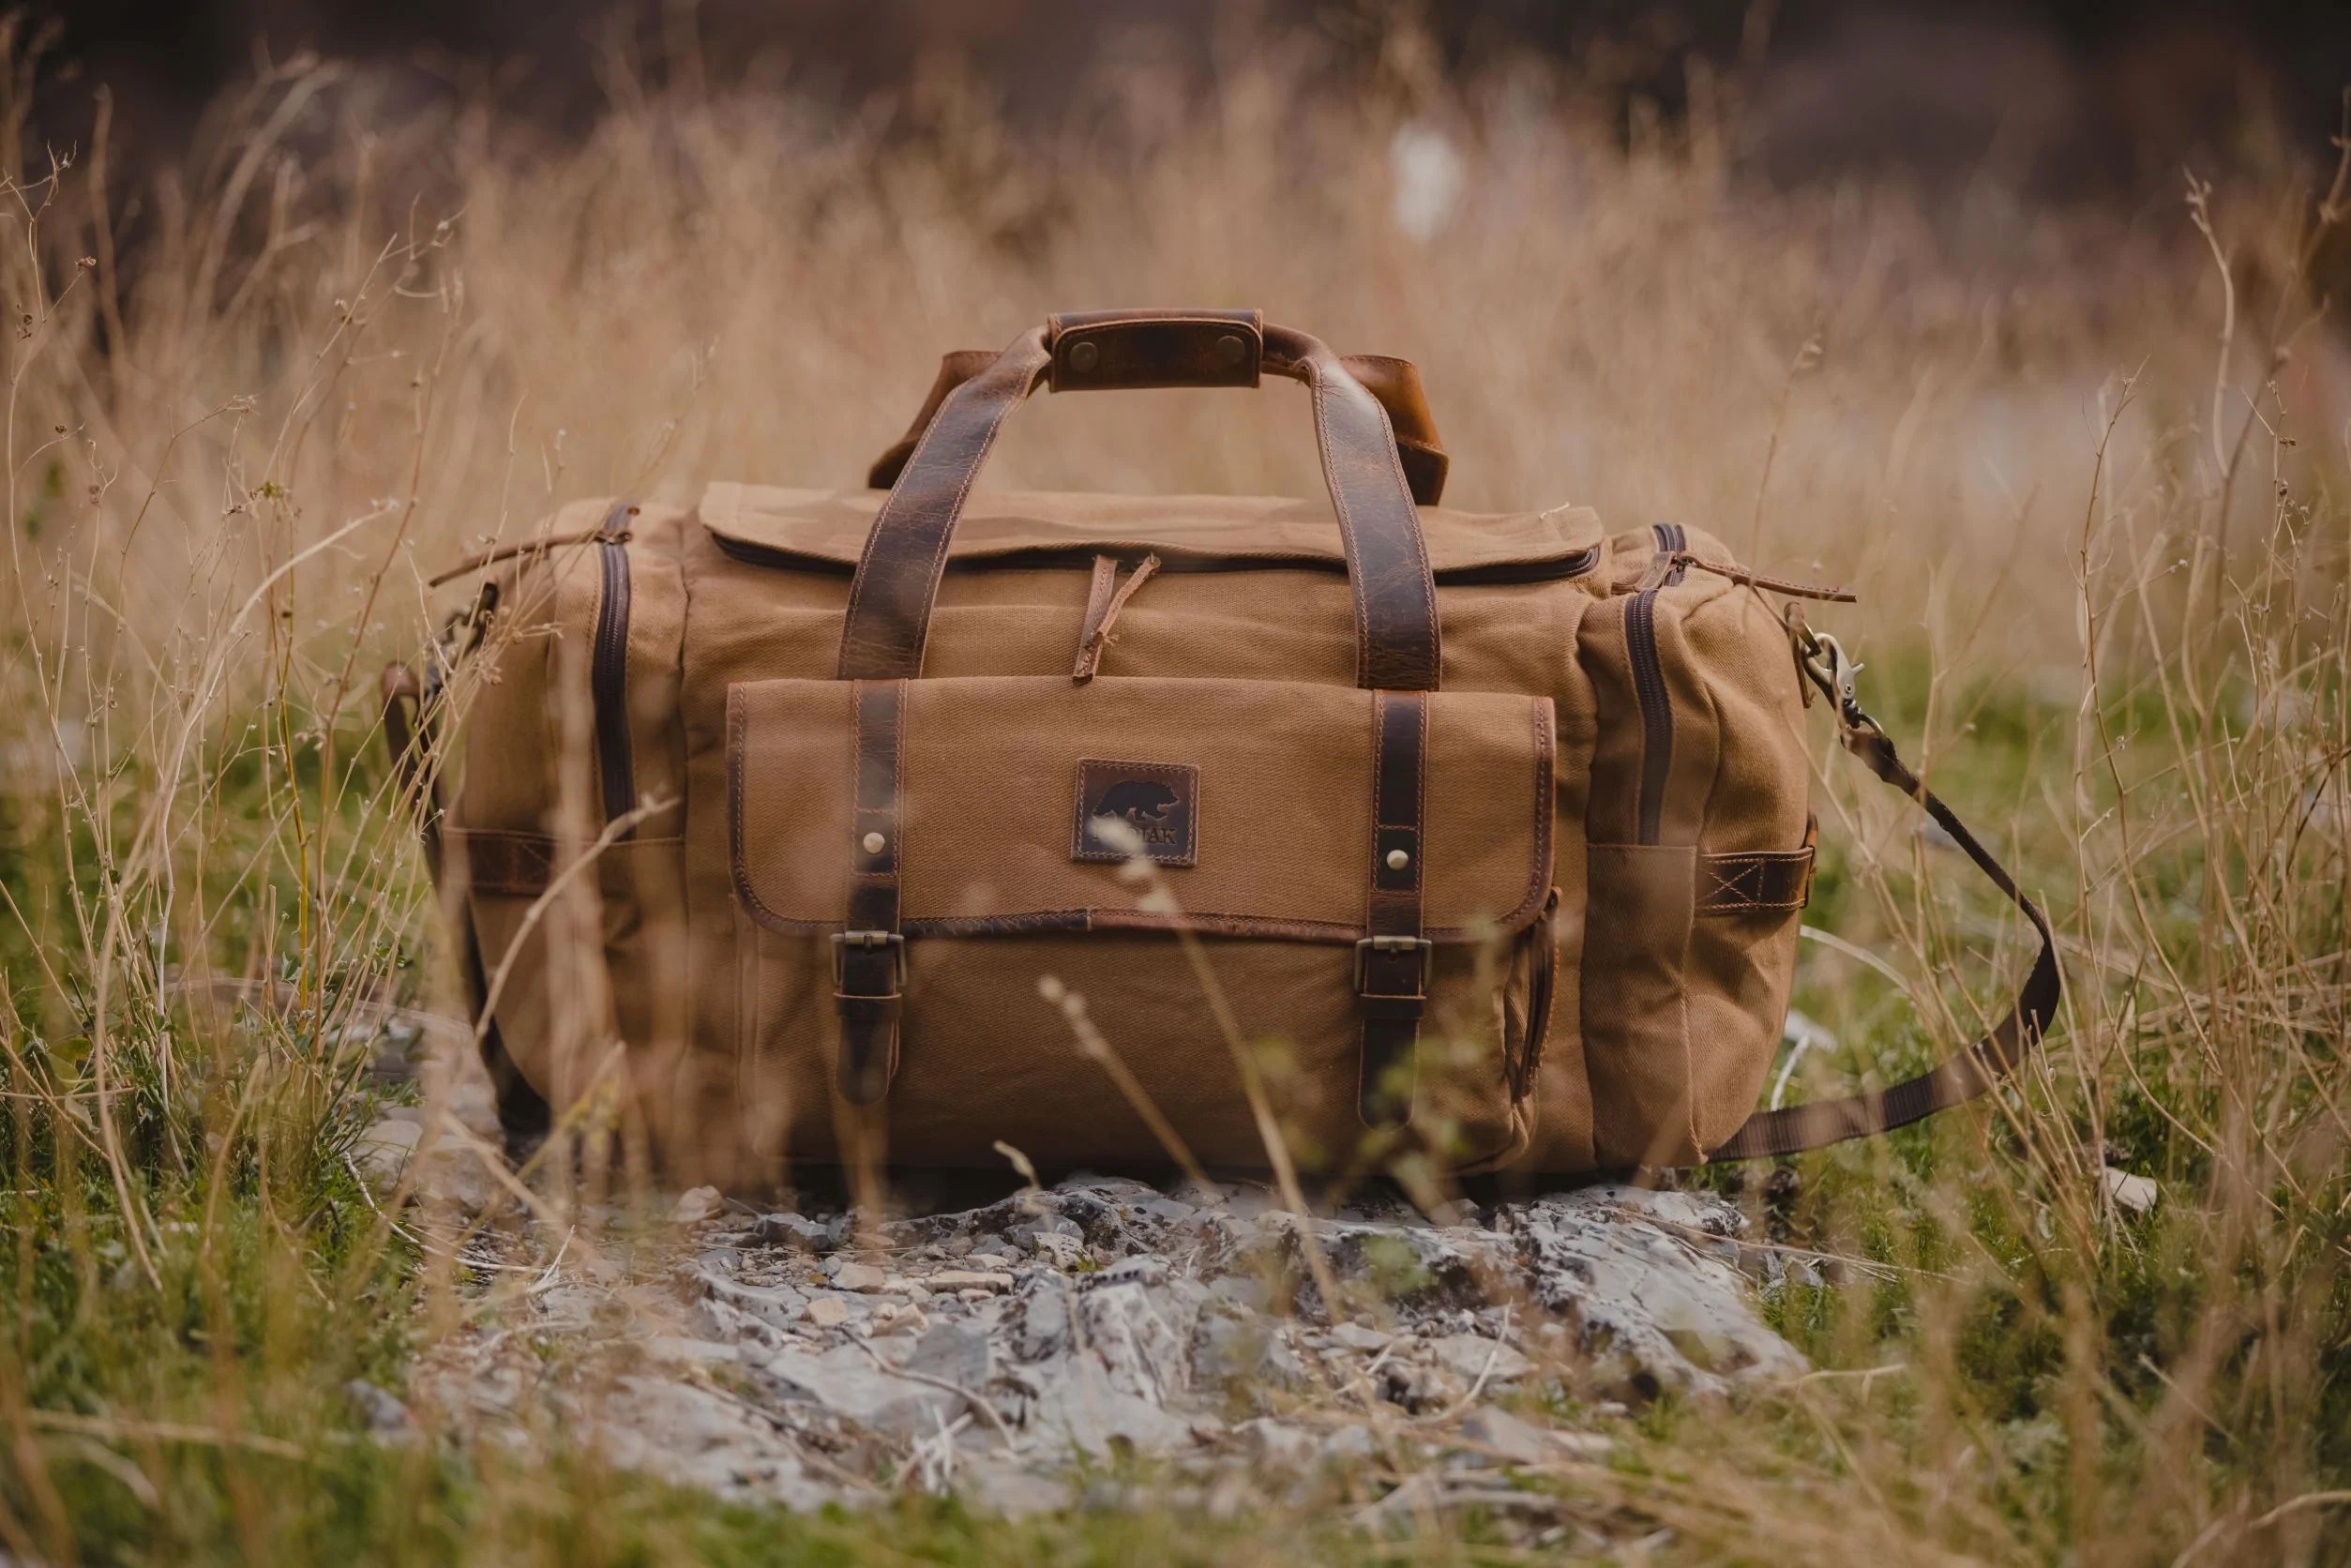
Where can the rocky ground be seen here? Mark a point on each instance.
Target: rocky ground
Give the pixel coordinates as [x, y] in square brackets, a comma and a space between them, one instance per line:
[1069, 1343]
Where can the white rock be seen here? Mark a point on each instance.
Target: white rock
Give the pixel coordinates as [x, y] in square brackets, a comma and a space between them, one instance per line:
[955, 1353]
[847, 1275]
[1503, 1435]
[1145, 1356]
[1472, 1355]
[385, 1416]
[2133, 1195]
[1277, 1443]
[1644, 1292]
[968, 1279]
[697, 1204]
[1582, 1445]
[381, 1153]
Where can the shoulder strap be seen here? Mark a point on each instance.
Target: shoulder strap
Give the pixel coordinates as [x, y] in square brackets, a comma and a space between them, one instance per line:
[1957, 1078]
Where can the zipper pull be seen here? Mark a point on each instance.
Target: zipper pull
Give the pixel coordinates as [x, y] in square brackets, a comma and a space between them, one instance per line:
[1755, 580]
[1102, 611]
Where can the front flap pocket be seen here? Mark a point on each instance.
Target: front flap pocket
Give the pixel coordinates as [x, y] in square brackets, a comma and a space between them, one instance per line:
[1022, 838]
[1254, 798]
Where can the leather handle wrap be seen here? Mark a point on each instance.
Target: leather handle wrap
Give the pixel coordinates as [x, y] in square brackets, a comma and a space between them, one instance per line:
[1109, 351]
[1395, 596]
[1397, 382]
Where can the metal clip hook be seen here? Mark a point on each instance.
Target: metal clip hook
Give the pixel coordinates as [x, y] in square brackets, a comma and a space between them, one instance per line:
[1828, 666]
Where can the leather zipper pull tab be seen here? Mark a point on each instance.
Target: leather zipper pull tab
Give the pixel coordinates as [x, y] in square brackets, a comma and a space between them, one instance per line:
[1746, 579]
[1102, 611]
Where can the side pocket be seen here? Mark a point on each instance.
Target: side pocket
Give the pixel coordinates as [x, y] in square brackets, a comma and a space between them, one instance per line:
[1742, 963]
[1636, 1033]
[1754, 869]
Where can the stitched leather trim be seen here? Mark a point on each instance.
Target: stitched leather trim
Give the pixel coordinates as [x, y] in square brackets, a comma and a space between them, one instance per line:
[1734, 885]
[1111, 919]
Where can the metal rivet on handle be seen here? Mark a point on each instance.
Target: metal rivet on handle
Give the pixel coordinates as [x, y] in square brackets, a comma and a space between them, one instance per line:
[874, 843]
[1231, 348]
[1398, 860]
[1084, 356]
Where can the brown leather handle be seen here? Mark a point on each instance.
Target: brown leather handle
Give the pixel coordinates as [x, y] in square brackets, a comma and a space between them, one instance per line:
[1191, 349]
[897, 577]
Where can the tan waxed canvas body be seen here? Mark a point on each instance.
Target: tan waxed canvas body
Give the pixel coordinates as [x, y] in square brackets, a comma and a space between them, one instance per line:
[1611, 832]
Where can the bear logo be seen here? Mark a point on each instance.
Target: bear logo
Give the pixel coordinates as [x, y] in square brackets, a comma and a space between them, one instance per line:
[1155, 803]
[1142, 805]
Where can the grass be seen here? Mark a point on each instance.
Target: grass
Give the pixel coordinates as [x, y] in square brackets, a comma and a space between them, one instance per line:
[2092, 489]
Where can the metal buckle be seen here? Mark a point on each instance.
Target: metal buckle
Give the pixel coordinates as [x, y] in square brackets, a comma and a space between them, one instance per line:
[1368, 946]
[1828, 666]
[844, 940]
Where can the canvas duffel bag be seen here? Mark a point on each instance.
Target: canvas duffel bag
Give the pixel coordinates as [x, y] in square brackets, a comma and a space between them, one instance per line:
[1115, 829]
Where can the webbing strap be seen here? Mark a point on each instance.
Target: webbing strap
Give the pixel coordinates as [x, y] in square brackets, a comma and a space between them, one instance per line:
[1957, 1078]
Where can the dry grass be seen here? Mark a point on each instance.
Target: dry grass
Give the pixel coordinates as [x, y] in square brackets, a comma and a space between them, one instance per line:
[2091, 481]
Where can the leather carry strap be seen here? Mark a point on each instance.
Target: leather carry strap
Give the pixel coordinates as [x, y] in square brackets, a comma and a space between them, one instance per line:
[1957, 1078]
[1392, 965]
[1395, 597]
[523, 1115]
[1397, 382]
[870, 956]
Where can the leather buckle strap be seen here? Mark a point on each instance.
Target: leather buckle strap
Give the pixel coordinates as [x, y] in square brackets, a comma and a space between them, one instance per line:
[1373, 949]
[869, 957]
[1393, 964]
[847, 943]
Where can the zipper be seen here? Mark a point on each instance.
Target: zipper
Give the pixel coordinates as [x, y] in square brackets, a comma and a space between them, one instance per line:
[1553, 569]
[1649, 676]
[608, 678]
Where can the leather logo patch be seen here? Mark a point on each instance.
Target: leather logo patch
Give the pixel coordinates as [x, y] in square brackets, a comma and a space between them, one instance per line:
[1151, 807]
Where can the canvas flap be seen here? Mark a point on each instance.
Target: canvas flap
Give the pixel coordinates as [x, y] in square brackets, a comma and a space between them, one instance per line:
[1257, 796]
[827, 529]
